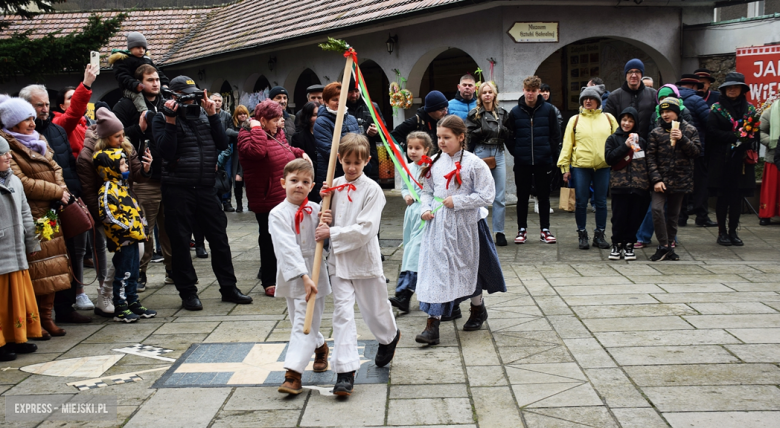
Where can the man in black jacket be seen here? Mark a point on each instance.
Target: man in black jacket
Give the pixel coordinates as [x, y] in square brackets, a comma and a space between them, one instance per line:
[149, 195]
[58, 141]
[357, 108]
[634, 94]
[189, 139]
[536, 137]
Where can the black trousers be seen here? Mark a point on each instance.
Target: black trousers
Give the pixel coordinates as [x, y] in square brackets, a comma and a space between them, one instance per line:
[186, 207]
[538, 176]
[628, 212]
[267, 256]
[729, 204]
[697, 201]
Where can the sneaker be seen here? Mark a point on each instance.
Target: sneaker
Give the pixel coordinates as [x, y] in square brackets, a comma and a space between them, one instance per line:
[83, 303]
[641, 244]
[672, 256]
[616, 252]
[141, 282]
[660, 254]
[500, 240]
[157, 258]
[547, 237]
[628, 252]
[104, 306]
[123, 314]
[521, 237]
[385, 353]
[141, 311]
[344, 384]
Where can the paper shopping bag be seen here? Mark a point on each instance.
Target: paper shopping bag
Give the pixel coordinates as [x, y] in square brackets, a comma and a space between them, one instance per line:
[567, 199]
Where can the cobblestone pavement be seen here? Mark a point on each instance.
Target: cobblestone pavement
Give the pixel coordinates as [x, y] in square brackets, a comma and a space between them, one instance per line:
[577, 341]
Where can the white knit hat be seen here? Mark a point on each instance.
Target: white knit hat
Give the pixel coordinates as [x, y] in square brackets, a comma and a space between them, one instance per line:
[15, 110]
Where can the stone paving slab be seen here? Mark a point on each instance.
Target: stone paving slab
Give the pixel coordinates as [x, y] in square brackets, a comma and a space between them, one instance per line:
[577, 341]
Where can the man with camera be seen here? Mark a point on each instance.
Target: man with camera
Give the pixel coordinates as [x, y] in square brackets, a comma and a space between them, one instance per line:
[189, 139]
[139, 131]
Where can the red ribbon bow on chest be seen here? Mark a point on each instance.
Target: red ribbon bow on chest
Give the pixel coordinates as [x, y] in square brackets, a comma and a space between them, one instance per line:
[454, 173]
[349, 186]
[425, 160]
[305, 208]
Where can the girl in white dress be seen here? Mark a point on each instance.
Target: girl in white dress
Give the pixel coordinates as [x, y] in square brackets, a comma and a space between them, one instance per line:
[456, 261]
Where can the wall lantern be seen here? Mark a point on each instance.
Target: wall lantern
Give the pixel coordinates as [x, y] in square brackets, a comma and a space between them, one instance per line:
[391, 41]
[271, 63]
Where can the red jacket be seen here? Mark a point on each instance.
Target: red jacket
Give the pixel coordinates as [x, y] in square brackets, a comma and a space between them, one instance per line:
[73, 119]
[263, 160]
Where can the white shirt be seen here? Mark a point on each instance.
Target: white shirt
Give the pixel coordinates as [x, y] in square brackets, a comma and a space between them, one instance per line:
[295, 252]
[354, 243]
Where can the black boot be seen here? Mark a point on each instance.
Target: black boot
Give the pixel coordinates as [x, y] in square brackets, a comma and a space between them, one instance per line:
[478, 316]
[599, 241]
[454, 315]
[723, 239]
[735, 241]
[228, 207]
[430, 335]
[583, 235]
[239, 192]
[402, 299]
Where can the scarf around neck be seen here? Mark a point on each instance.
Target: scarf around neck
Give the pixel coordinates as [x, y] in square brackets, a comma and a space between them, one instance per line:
[4, 175]
[31, 141]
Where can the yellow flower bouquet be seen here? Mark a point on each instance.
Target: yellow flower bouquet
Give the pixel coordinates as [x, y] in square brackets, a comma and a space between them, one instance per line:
[47, 226]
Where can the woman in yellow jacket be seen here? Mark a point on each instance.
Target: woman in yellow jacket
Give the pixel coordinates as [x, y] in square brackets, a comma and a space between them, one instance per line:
[582, 160]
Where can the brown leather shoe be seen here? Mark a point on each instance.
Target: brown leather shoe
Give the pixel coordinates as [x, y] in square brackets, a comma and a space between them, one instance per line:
[321, 358]
[45, 307]
[72, 317]
[292, 383]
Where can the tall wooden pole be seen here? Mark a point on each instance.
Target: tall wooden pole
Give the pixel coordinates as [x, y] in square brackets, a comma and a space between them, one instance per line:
[334, 148]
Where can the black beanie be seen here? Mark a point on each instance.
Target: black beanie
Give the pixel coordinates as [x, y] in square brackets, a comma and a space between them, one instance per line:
[276, 90]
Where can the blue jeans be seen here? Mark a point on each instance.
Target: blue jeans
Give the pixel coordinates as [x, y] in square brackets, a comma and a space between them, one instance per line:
[645, 232]
[126, 265]
[228, 168]
[582, 179]
[499, 176]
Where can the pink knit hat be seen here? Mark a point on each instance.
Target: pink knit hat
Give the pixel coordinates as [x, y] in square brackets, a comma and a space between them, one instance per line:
[107, 123]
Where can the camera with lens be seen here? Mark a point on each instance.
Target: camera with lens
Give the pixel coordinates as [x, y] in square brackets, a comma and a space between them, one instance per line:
[189, 111]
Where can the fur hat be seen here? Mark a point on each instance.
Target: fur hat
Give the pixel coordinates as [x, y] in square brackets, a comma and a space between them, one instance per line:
[107, 123]
[632, 64]
[136, 39]
[435, 101]
[15, 110]
[671, 104]
[590, 92]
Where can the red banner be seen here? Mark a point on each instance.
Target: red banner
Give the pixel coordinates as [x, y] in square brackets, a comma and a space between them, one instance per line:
[761, 67]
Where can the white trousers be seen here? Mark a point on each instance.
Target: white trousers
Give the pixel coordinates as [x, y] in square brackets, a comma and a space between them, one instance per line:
[371, 297]
[302, 346]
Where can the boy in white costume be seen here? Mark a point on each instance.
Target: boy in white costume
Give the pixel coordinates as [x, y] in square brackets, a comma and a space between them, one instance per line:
[355, 263]
[292, 225]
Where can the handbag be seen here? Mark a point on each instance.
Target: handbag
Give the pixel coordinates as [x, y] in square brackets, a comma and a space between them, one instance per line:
[490, 161]
[75, 219]
[567, 199]
[222, 181]
[751, 157]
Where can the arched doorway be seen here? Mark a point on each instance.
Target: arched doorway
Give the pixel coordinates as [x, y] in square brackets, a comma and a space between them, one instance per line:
[306, 79]
[444, 72]
[261, 84]
[378, 87]
[228, 99]
[570, 68]
[112, 97]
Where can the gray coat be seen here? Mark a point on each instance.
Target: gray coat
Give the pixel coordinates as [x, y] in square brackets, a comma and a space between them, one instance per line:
[17, 230]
